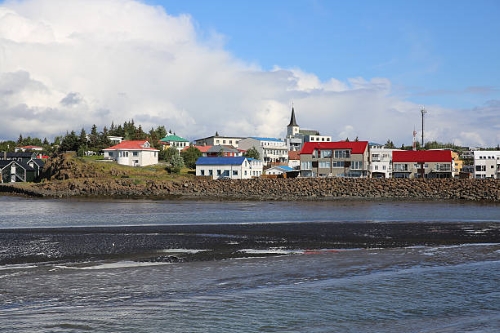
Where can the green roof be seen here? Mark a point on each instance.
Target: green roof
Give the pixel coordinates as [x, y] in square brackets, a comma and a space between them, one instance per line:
[173, 138]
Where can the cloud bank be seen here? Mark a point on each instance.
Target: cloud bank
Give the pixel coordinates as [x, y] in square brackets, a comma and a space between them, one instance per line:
[65, 65]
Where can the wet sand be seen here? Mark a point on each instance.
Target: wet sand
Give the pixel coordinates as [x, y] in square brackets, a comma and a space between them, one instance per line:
[179, 243]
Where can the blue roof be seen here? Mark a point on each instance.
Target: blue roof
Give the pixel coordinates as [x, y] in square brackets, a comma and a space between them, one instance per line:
[266, 139]
[285, 168]
[220, 160]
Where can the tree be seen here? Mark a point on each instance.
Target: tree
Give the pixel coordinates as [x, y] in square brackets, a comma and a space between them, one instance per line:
[174, 159]
[252, 153]
[190, 156]
[168, 153]
[389, 144]
[69, 142]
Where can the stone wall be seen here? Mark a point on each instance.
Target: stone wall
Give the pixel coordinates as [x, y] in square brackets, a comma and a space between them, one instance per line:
[271, 189]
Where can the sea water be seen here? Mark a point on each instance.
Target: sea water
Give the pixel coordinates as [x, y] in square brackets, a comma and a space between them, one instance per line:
[417, 289]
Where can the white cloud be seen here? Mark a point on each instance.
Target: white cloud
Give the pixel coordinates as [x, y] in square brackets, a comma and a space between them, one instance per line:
[65, 65]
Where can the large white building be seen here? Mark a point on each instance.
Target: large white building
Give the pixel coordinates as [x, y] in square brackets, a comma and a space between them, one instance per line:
[380, 161]
[271, 150]
[487, 164]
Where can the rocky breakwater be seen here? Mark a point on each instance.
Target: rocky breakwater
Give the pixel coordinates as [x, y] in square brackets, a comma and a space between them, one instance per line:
[277, 189]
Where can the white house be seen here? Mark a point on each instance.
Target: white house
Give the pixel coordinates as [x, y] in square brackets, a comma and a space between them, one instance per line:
[228, 167]
[380, 161]
[487, 164]
[279, 170]
[132, 153]
[271, 150]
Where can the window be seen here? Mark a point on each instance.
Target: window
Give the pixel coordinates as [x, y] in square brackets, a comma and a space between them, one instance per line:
[210, 172]
[110, 154]
[400, 167]
[324, 164]
[202, 172]
[338, 164]
[235, 172]
[219, 172]
[306, 165]
[135, 153]
[342, 154]
[326, 153]
[357, 165]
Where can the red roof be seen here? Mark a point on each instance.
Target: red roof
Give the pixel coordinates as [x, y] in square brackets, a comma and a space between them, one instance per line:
[203, 149]
[421, 156]
[131, 145]
[356, 147]
[293, 155]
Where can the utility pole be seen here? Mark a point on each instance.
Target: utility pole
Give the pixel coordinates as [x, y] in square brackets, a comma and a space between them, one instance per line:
[423, 111]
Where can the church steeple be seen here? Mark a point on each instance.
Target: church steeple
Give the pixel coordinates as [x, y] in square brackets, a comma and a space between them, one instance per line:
[293, 122]
[292, 129]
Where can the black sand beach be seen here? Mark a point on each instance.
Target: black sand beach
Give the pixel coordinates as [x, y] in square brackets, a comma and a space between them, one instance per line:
[179, 243]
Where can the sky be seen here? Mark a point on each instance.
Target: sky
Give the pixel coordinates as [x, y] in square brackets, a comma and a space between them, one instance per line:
[351, 69]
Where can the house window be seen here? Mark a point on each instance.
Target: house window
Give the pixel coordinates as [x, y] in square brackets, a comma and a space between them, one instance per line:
[324, 164]
[135, 153]
[400, 167]
[338, 164]
[357, 165]
[110, 154]
[210, 172]
[219, 172]
[342, 154]
[202, 172]
[306, 165]
[235, 172]
[326, 153]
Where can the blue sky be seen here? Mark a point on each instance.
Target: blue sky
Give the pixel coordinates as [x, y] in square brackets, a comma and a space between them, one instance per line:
[351, 68]
[435, 51]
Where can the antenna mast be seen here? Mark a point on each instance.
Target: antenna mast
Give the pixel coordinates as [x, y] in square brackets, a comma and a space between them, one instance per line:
[423, 111]
[414, 139]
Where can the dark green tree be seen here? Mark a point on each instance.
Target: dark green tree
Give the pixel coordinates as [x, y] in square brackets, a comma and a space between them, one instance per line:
[70, 142]
[190, 156]
[252, 153]
[389, 144]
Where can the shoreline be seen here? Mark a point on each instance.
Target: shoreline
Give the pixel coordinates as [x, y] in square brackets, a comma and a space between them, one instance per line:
[283, 189]
[202, 242]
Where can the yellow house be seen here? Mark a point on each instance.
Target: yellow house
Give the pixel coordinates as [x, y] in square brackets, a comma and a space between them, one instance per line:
[457, 164]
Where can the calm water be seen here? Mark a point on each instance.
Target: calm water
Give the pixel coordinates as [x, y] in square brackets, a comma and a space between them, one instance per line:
[421, 289]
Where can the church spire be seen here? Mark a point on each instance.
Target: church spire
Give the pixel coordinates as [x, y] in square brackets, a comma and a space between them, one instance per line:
[293, 122]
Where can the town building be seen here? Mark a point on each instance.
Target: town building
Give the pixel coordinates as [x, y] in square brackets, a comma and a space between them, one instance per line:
[219, 140]
[334, 159]
[132, 153]
[486, 164]
[271, 151]
[175, 141]
[380, 161]
[296, 137]
[228, 167]
[279, 170]
[422, 164]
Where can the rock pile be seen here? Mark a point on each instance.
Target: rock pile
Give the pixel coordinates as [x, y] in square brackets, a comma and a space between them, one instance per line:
[272, 189]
